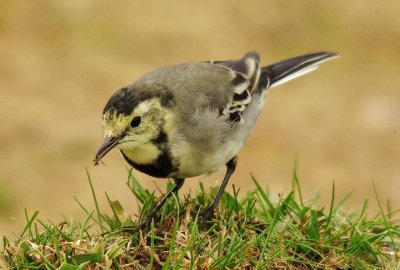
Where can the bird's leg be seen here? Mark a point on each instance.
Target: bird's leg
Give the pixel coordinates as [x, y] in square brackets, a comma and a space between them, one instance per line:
[209, 211]
[153, 214]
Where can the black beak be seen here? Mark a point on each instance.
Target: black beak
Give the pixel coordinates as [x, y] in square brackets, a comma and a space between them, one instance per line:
[108, 144]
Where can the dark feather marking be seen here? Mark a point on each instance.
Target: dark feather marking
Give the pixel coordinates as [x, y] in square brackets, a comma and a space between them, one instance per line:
[238, 80]
[126, 99]
[121, 102]
[162, 167]
[235, 117]
[237, 108]
[161, 139]
[242, 96]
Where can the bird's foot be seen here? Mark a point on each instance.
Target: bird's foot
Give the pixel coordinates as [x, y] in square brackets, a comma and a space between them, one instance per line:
[145, 226]
[206, 215]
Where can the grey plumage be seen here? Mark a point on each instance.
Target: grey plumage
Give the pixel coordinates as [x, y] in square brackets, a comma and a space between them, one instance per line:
[194, 117]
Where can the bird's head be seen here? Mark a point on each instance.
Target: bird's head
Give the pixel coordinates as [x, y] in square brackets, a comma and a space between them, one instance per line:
[131, 119]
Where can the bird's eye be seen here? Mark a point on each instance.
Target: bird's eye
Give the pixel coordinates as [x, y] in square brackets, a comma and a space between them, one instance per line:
[136, 121]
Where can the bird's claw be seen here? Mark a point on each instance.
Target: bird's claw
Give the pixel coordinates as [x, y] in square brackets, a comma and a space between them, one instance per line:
[206, 215]
[145, 226]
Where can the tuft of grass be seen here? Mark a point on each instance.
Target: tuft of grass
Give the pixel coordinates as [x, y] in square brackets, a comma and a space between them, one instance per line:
[248, 232]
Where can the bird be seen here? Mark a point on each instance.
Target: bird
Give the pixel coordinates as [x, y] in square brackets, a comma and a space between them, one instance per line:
[192, 119]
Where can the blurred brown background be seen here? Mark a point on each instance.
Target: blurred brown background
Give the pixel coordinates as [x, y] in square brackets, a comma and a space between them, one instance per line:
[61, 60]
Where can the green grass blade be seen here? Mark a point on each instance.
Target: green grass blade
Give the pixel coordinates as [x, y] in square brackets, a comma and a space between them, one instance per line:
[29, 222]
[95, 202]
[296, 183]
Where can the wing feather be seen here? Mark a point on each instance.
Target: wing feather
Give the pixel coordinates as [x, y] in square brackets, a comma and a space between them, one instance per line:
[246, 74]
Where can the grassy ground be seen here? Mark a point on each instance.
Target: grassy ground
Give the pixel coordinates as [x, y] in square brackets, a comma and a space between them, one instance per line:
[250, 231]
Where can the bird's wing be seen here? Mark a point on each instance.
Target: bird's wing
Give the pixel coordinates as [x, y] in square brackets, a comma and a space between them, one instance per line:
[246, 74]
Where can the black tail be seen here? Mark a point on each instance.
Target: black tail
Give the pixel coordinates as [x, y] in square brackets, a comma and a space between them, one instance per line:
[284, 71]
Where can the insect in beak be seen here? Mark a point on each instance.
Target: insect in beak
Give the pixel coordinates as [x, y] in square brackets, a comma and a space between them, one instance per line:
[108, 144]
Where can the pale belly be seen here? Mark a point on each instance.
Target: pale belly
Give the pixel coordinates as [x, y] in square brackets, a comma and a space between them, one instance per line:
[194, 161]
[194, 164]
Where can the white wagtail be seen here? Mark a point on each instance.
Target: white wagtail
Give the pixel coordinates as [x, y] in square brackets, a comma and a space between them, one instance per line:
[191, 119]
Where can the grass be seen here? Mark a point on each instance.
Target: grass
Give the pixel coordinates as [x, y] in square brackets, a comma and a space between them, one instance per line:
[248, 232]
